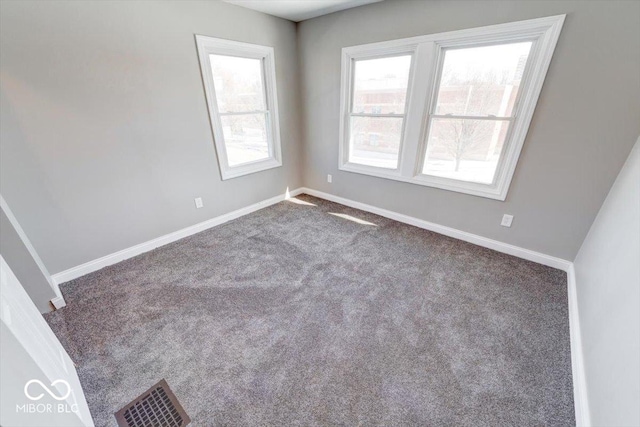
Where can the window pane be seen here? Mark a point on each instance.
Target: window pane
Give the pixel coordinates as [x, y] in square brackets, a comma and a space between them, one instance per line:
[380, 85]
[375, 141]
[467, 150]
[482, 81]
[238, 83]
[245, 137]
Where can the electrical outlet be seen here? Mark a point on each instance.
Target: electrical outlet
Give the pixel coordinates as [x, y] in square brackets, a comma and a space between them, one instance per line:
[506, 220]
[329, 179]
[198, 201]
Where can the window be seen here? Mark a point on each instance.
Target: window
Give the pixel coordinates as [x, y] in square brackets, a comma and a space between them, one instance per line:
[240, 87]
[473, 108]
[378, 109]
[448, 110]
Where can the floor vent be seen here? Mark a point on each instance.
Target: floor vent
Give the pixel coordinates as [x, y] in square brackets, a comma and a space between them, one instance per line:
[156, 407]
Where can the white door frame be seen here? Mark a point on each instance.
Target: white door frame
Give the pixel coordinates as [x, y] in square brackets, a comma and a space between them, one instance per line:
[40, 385]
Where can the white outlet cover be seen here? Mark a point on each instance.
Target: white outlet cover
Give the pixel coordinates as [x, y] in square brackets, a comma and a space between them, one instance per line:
[198, 201]
[506, 220]
[329, 178]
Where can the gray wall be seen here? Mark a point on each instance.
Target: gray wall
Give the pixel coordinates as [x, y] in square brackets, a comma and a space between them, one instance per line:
[105, 132]
[608, 285]
[106, 138]
[16, 253]
[587, 117]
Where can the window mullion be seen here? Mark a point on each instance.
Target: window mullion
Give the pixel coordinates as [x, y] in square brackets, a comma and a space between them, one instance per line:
[419, 90]
[499, 138]
[382, 115]
[242, 113]
[463, 117]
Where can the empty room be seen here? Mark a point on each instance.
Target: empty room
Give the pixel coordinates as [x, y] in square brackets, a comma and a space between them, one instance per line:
[320, 213]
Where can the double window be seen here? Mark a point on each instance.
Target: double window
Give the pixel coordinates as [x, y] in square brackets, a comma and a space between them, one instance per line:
[447, 110]
[240, 85]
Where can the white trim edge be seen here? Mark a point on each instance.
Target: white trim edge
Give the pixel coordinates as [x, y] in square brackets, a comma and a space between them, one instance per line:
[496, 245]
[206, 46]
[577, 361]
[580, 398]
[581, 405]
[97, 264]
[107, 260]
[428, 55]
[58, 300]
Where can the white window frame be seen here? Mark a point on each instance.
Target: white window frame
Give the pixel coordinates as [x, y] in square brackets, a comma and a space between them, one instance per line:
[210, 45]
[427, 60]
[388, 52]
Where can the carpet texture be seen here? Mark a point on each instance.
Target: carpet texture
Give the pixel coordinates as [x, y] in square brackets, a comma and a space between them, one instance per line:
[312, 313]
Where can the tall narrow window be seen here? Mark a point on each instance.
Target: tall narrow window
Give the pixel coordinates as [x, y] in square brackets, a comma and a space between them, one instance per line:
[240, 88]
[471, 116]
[448, 110]
[377, 110]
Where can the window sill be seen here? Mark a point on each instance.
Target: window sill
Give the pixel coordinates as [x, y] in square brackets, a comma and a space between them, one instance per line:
[474, 189]
[249, 168]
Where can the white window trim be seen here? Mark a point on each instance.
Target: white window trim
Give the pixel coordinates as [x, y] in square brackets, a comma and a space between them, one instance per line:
[427, 57]
[210, 45]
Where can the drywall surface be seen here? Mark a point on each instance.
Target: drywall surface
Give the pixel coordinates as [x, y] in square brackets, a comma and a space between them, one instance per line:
[586, 120]
[26, 268]
[106, 139]
[608, 286]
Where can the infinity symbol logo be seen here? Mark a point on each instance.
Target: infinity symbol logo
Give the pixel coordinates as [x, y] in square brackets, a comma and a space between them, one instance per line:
[51, 393]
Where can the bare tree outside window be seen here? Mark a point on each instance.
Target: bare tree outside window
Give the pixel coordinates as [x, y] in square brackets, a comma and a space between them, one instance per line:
[449, 110]
[476, 97]
[483, 93]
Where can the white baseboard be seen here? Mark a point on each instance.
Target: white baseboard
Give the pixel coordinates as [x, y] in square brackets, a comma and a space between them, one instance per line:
[577, 361]
[58, 302]
[97, 264]
[506, 248]
[580, 398]
[583, 418]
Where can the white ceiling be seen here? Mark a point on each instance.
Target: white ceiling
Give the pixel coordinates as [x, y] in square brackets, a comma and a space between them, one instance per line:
[299, 10]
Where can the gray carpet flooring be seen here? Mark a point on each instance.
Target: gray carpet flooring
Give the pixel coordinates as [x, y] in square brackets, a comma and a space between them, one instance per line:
[312, 313]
